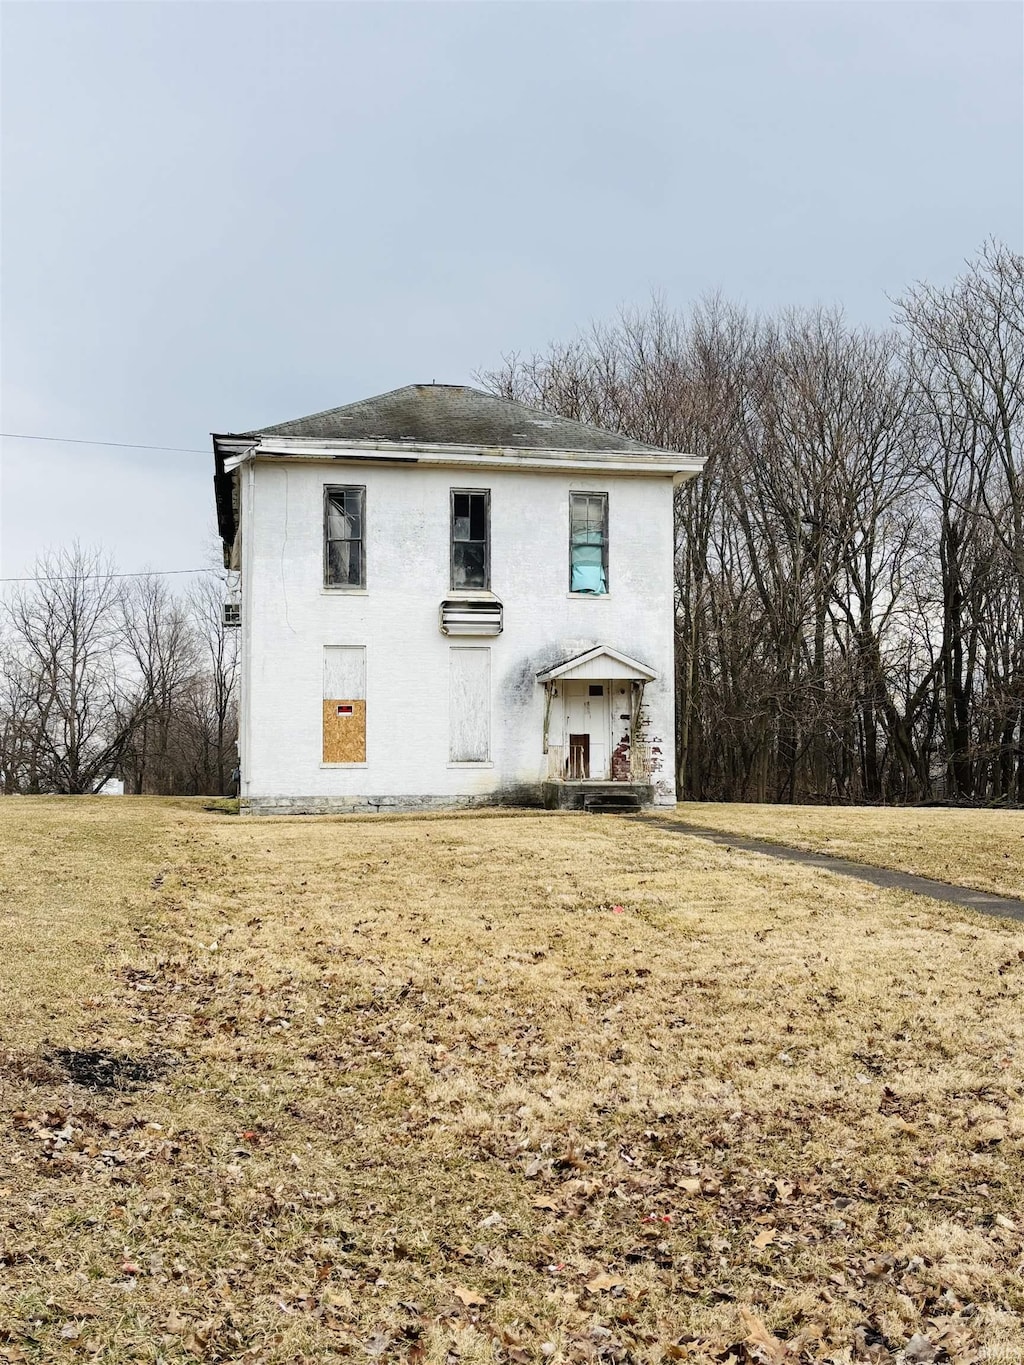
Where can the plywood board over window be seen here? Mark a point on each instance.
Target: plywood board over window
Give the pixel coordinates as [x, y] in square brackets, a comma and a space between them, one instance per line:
[469, 705]
[344, 725]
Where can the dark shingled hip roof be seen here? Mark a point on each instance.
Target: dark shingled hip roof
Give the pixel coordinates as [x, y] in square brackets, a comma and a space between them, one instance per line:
[451, 414]
[425, 415]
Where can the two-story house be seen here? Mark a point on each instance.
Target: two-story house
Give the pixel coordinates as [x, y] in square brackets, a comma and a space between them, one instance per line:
[450, 599]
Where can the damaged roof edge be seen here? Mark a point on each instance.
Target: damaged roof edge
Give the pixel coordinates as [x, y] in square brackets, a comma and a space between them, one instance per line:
[267, 443]
[224, 497]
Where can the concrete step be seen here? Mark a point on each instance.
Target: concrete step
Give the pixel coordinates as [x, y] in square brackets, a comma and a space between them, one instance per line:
[612, 805]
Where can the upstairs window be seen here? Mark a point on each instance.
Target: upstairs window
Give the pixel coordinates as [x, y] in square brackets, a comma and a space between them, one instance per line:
[344, 549]
[471, 551]
[588, 543]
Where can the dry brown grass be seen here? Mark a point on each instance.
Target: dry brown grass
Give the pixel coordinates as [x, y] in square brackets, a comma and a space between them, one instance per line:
[981, 849]
[492, 1089]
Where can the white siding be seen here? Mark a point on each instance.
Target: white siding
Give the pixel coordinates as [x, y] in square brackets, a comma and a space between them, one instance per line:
[289, 617]
[600, 668]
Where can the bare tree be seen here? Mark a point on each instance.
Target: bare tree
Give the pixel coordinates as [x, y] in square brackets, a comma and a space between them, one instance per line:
[965, 350]
[160, 645]
[104, 676]
[850, 565]
[76, 711]
[212, 706]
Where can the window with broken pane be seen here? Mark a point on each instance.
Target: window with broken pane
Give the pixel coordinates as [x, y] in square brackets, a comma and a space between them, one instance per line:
[344, 548]
[588, 543]
[471, 558]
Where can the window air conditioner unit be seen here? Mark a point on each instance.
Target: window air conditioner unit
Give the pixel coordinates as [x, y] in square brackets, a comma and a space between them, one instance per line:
[471, 616]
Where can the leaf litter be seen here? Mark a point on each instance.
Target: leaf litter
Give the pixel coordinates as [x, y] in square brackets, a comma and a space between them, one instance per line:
[423, 1120]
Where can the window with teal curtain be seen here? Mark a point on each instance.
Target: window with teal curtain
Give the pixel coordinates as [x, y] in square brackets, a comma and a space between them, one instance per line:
[588, 543]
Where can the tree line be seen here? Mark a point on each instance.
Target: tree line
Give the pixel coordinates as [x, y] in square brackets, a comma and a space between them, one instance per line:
[104, 676]
[850, 566]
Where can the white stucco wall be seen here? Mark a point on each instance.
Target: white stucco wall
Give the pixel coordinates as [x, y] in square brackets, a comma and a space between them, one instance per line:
[288, 618]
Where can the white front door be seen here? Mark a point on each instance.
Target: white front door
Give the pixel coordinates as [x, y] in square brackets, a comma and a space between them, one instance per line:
[587, 730]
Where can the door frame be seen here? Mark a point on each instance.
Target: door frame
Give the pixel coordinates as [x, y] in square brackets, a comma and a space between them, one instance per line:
[600, 734]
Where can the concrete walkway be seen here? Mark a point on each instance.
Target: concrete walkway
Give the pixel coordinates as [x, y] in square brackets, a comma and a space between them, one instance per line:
[987, 902]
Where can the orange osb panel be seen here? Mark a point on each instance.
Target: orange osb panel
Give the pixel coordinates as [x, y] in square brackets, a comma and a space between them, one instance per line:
[344, 731]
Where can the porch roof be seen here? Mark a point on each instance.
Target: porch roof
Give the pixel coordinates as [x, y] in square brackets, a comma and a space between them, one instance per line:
[600, 662]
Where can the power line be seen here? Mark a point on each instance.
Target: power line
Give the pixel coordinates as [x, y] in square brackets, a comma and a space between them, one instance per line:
[121, 445]
[74, 578]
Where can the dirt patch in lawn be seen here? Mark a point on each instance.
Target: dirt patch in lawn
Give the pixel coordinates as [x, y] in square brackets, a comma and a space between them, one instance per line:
[101, 1069]
[506, 1090]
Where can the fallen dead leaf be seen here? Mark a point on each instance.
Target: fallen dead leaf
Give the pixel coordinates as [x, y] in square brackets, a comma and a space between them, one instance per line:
[772, 1350]
[920, 1351]
[603, 1281]
[468, 1297]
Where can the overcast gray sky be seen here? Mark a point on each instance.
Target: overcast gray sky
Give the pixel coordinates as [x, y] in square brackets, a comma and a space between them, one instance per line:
[221, 215]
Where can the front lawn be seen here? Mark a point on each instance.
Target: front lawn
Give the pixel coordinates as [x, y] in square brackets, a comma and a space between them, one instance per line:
[493, 1088]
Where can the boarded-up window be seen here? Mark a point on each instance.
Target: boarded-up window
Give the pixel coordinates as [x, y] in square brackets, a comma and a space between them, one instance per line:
[469, 705]
[344, 704]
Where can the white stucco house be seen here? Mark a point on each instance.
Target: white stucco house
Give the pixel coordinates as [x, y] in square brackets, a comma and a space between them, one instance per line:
[447, 599]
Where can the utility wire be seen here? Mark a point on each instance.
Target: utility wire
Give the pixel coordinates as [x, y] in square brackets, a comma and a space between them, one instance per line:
[74, 578]
[121, 445]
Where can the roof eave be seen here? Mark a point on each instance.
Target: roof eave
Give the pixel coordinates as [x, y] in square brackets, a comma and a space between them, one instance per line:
[642, 461]
[639, 670]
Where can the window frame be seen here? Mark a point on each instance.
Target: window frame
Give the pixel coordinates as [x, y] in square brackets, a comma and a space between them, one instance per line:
[588, 493]
[485, 493]
[330, 488]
